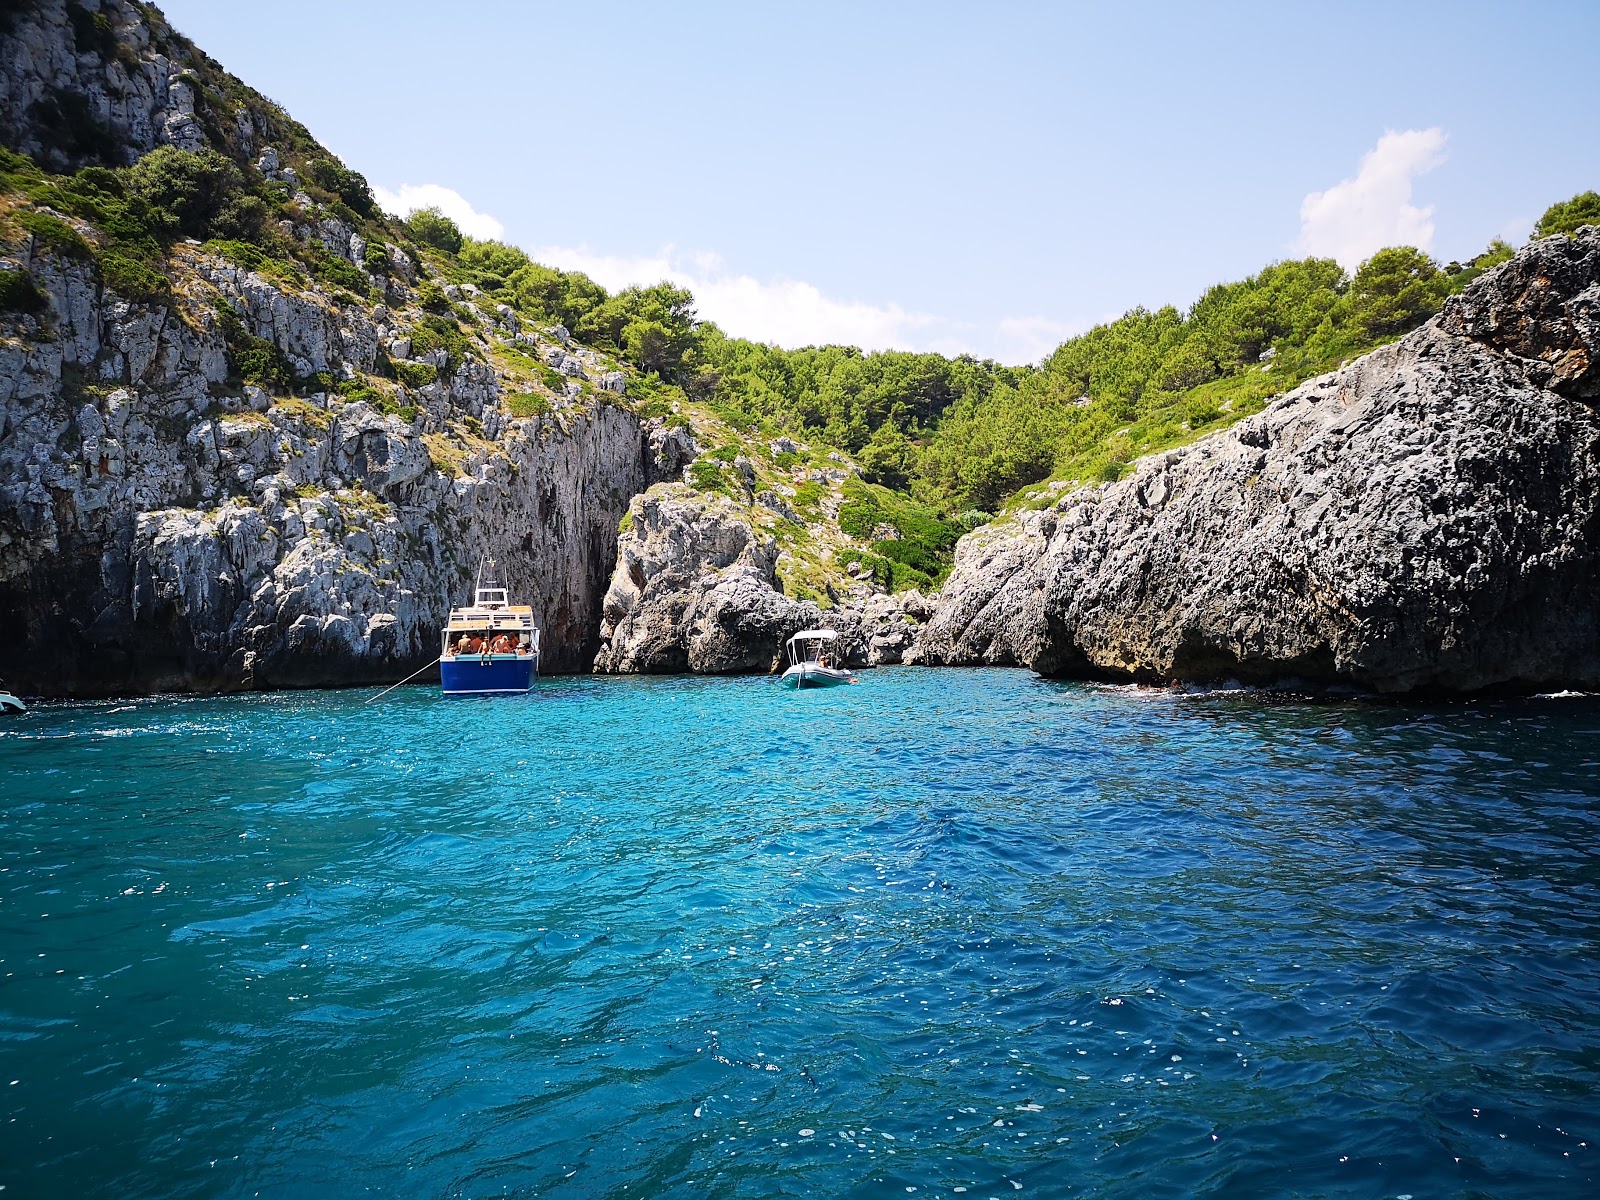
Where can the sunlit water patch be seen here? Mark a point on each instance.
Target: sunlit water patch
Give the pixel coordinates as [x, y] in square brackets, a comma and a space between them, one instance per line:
[943, 933]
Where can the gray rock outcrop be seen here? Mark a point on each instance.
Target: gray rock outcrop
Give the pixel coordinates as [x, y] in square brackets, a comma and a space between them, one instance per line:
[102, 81]
[1426, 518]
[696, 589]
[159, 530]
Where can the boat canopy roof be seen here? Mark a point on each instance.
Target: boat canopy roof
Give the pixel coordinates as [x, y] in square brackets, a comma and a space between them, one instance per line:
[822, 635]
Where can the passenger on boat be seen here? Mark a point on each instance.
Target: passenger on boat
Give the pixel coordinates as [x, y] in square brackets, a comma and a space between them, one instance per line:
[501, 644]
[522, 646]
[469, 644]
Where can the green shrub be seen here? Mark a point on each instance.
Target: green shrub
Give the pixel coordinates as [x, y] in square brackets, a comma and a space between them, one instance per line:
[331, 269]
[432, 298]
[926, 540]
[56, 235]
[350, 186]
[359, 389]
[440, 333]
[242, 254]
[1201, 410]
[709, 475]
[375, 258]
[252, 359]
[432, 228]
[415, 374]
[807, 498]
[19, 293]
[1582, 209]
[132, 279]
[198, 187]
[527, 404]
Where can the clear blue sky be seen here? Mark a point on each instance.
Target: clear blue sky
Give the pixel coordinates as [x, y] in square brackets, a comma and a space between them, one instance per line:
[950, 176]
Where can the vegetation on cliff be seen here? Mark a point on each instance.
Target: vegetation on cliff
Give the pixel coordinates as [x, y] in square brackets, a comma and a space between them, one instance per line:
[931, 445]
[966, 436]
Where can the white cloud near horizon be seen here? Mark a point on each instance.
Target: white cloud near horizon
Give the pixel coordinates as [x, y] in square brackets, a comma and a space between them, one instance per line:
[785, 312]
[409, 197]
[792, 313]
[1361, 215]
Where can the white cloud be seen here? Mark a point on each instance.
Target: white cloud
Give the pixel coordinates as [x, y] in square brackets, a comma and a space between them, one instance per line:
[788, 312]
[411, 196]
[1358, 216]
[791, 312]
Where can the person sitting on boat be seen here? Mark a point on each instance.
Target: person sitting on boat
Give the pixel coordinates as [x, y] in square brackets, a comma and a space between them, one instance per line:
[501, 644]
[468, 644]
[522, 646]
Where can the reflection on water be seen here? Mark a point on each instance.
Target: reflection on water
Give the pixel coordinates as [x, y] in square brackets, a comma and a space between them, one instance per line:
[687, 937]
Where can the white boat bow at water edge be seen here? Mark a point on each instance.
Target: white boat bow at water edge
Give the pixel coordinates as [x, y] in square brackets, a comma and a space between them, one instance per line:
[814, 660]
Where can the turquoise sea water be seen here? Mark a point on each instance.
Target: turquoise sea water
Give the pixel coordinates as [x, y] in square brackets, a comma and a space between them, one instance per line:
[944, 930]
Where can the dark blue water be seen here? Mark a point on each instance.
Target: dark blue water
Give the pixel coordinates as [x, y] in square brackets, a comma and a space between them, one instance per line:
[941, 933]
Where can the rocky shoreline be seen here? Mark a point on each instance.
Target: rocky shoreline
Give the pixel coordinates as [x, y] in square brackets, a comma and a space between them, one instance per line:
[1425, 520]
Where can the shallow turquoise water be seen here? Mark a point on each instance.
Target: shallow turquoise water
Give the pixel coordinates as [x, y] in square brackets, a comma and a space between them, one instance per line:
[633, 937]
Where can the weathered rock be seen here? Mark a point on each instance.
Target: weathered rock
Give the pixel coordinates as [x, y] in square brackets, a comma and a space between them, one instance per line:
[1427, 518]
[694, 589]
[161, 530]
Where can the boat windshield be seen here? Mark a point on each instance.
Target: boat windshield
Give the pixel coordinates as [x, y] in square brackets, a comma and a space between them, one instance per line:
[816, 647]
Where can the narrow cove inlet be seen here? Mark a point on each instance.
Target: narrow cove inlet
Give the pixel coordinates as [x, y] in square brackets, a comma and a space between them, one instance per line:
[944, 932]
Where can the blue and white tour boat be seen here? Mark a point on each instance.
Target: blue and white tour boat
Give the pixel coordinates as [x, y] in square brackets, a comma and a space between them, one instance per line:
[491, 646]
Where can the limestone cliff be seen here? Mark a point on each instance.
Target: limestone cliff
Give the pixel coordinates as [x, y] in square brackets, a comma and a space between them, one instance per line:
[167, 524]
[1427, 518]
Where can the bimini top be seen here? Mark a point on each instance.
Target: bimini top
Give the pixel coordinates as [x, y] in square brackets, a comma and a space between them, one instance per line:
[806, 635]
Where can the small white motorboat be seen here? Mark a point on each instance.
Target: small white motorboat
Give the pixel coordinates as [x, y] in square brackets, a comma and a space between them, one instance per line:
[10, 704]
[814, 660]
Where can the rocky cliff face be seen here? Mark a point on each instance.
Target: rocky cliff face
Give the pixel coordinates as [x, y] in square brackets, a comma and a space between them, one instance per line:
[98, 80]
[157, 531]
[696, 589]
[165, 525]
[1426, 518]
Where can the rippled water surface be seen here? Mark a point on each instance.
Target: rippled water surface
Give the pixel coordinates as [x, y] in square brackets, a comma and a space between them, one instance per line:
[943, 932]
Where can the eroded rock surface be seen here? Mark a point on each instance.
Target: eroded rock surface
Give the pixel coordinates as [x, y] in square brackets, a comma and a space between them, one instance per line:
[696, 589]
[160, 529]
[1426, 518]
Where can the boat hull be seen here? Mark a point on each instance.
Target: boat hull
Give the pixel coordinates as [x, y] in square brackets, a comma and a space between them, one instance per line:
[483, 675]
[813, 675]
